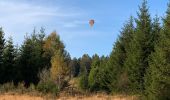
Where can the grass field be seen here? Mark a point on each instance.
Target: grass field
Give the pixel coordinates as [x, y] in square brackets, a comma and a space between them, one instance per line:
[93, 97]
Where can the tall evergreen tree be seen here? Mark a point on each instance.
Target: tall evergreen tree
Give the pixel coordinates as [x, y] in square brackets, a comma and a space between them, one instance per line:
[74, 67]
[159, 65]
[2, 43]
[139, 50]
[85, 63]
[31, 60]
[9, 61]
[156, 28]
[85, 66]
[118, 55]
[17, 70]
[93, 78]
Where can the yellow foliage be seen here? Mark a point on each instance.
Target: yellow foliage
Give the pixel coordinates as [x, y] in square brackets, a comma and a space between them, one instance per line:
[59, 68]
[52, 43]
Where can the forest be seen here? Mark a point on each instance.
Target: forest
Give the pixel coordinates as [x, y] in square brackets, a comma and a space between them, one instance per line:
[139, 62]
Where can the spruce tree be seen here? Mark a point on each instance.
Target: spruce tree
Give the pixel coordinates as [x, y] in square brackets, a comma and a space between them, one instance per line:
[85, 67]
[139, 49]
[85, 63]
[118, 55]
[9, 61]
[156, 28]
[93, 78]
[31, 60]
[2, 43]
[159, 65]
[74, 67]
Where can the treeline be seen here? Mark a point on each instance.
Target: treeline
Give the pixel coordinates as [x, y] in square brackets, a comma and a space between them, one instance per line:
[138, 64]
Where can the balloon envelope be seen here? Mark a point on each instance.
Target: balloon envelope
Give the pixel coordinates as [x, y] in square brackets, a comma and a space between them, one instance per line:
[91, 22]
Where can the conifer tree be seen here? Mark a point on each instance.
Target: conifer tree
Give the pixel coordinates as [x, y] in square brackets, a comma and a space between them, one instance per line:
[2, 43]
[74, 67]
[9, 61]
[139, 50]
[31, 60]
[119, 54]
[85, 63]
[159, 65]
[85, 67]
[93, 78]
[156, 28]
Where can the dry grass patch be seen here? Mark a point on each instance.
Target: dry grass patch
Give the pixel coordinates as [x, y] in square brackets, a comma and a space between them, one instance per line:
[10, 96]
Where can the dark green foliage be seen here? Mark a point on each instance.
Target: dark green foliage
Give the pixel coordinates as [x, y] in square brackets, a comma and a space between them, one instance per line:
[98, 79]
[159, 66]
[119, 55]
[74, 67]
[48, 87]
[17, 77]
[85, 62]
[2, 43]
[138, 63]
[93, 78]
[9, 61]
[139, 49]
[31, 60]
[83, 80]
[155, 39]
[85, 66]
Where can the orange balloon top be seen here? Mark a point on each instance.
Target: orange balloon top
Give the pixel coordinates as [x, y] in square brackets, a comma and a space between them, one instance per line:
[91, 22]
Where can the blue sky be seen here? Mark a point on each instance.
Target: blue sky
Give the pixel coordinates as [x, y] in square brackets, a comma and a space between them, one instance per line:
[70, 19]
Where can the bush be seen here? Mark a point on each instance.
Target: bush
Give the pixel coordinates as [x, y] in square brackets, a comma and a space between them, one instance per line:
[83, 82]
[48, 87]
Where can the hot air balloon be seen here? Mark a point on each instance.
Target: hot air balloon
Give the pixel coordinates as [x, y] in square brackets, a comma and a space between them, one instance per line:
[91, 22]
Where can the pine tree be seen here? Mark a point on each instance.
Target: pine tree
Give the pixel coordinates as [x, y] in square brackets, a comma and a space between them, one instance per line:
[159, 65]
[17, 69]
[93, 78]
[9, 61]
[139, 50]
[104, 75]
[31, 60]
[74, 67]
[2, 43]
[85, 67]
[118, 55]
[155, 40]
[85, 63]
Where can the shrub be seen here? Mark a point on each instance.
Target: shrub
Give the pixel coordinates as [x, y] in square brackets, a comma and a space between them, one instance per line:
[48, 87]
[83, 82]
